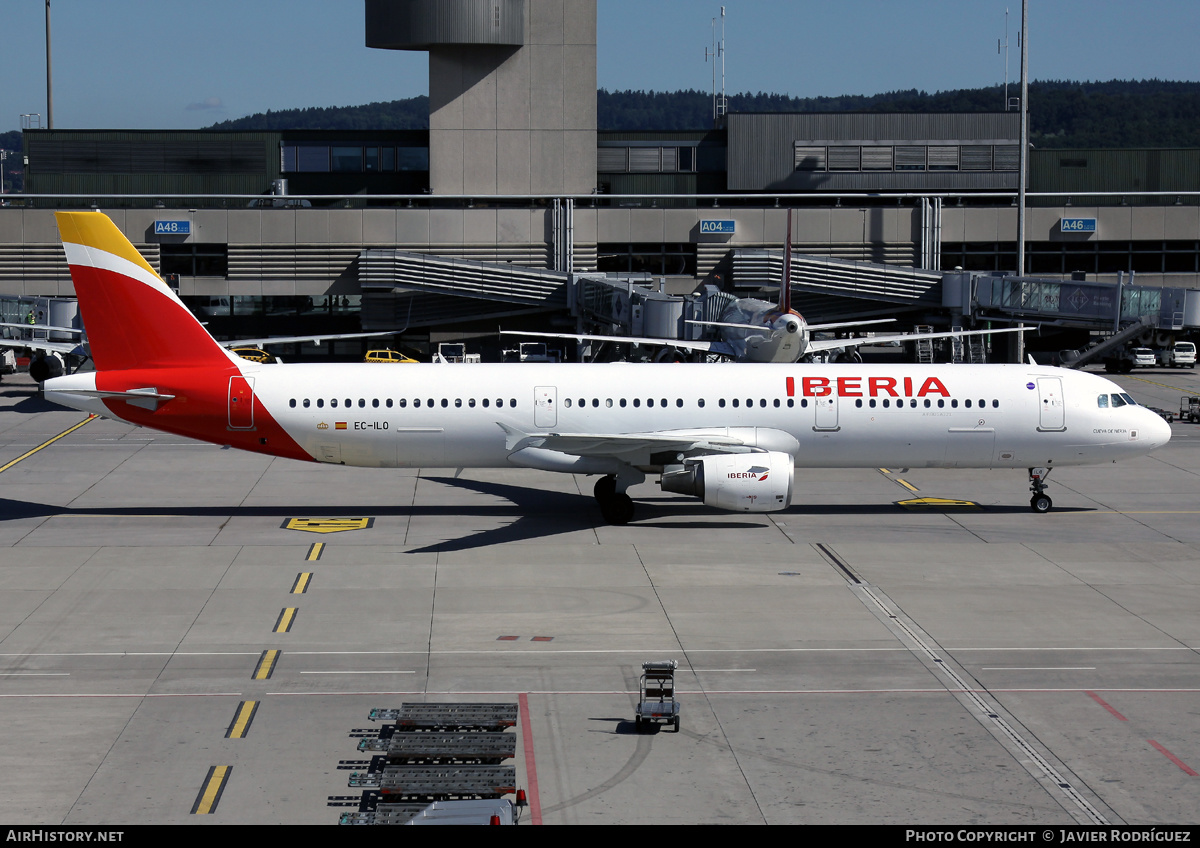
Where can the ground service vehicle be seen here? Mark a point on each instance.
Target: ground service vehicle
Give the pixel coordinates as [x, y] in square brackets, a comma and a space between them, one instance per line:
[1179, 355]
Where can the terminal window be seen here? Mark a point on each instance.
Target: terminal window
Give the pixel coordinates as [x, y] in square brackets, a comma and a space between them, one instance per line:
[194, 260]
[658, 259]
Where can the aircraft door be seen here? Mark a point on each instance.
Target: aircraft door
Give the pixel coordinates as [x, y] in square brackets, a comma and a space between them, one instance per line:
[241, 403]
[825, 412]
[1050, 399]
[545, 406]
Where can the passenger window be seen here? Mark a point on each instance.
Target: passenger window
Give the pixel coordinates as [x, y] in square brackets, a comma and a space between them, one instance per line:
[403, 402]
[679, 402]
[721, 403]
[320, 403]
[967, 403]
[954, 403]
[608, 402]
[871, 403]
[700, 403]
[637, 402]
[512, 402]
[941, 403]
[791, 403]
[306, 403]
[622, 403]
[735, 403]
[445, 403]
[487, 402]
[362, 403]
[595, 403]
[857, 403]
[333, 403]
[887, 404]
[567, 403]
[348, 403]
[292, 403]
[995, 403]
[471, 403]
[388, 402]
[458, 403]
[777, 403]
[928, 403]
[649, 401]
[375, 402]
[804, 403]
[416, 403]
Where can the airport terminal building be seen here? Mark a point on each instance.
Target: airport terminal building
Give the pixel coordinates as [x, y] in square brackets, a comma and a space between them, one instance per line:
[513, 195]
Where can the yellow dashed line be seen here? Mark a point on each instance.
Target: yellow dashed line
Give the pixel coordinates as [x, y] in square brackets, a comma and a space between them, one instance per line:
[45, 444]
[1164, 385]
[907, 485]
[210, 792]
[241, 720]
[301, 584]
[287, 617]
[266, 665]
[314, 551]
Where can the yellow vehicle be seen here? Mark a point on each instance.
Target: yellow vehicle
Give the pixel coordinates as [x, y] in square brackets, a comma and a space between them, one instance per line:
[388, 356]
[256, 354]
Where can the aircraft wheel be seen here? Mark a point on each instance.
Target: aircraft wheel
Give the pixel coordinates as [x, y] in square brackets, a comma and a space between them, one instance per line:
[605, 488]
[617, 509]
[1040, 503]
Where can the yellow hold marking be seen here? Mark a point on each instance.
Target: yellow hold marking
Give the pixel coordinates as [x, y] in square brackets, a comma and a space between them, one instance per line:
[937, 503]
[327, 525]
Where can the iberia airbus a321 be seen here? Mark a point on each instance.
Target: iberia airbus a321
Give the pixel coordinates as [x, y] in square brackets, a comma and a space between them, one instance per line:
[731, 435]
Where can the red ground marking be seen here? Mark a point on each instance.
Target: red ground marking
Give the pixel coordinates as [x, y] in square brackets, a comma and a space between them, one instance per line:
[1106, 706]
[531, 792]
[1172, 758]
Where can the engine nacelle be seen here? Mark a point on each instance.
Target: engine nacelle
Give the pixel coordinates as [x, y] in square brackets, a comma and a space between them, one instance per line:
[46, 366]
[740, 482]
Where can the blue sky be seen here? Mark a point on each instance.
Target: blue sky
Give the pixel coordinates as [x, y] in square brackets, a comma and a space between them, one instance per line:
[173, 64]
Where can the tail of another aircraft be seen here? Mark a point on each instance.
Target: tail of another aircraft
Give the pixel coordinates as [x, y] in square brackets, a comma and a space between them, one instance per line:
[785, 286]
[133, 320]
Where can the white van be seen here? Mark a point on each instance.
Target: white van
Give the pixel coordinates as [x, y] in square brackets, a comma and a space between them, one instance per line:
[1180, 355]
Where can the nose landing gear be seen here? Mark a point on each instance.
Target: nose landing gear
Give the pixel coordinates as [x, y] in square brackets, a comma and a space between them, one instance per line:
[1040, 502]
[615, 505]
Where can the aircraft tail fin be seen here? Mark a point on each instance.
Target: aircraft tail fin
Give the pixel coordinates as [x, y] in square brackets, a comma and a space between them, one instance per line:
[785, 286]
[132, 318]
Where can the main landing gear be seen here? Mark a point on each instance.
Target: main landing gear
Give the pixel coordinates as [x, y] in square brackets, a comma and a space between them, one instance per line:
[1040, 502]
[615, 506]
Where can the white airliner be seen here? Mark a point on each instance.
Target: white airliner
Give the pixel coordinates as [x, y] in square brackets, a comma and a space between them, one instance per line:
[729, 435]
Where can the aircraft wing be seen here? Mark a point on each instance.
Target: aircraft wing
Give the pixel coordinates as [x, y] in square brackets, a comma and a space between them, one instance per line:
[711, 347]
[833, 344]
[45, 346]
[47, 327]
[315, 339]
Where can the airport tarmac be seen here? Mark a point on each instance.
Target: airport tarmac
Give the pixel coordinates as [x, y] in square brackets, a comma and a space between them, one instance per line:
[848, 660]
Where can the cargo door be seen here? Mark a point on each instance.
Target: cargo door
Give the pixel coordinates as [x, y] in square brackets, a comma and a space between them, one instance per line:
[545, 406]
[1050, 397]
[241, 403]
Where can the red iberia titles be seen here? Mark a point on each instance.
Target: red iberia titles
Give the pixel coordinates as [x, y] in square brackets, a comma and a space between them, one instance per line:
[857, 387]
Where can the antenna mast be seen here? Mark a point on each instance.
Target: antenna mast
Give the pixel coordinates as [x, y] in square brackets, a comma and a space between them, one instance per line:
[720, 105]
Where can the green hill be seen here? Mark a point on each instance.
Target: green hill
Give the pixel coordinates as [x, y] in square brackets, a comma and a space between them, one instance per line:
[1145, 113]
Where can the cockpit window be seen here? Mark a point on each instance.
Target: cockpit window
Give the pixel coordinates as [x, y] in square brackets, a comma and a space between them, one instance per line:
[1102, 401]
[1129, 400]
[1118, 400]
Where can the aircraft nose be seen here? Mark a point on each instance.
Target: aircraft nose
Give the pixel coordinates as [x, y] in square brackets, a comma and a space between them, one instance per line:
[1157, 431]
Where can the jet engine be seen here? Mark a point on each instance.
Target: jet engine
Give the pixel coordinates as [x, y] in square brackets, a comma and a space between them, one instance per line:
[46, 366]
[739, 482]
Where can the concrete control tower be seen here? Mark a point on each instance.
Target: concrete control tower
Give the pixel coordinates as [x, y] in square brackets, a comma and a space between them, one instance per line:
[512, 100]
